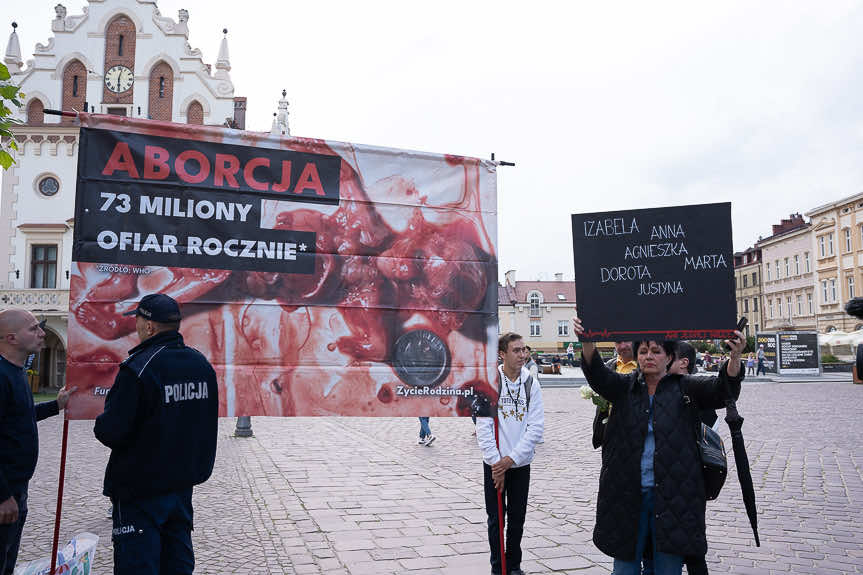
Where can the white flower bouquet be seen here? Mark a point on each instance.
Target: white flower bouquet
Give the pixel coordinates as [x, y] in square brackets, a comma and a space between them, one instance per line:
[598, 400]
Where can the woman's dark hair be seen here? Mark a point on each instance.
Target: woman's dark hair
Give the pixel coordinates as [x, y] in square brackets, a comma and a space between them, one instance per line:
[669, 346]
[684, 350]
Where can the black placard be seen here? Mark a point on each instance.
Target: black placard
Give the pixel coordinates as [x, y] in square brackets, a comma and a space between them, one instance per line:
[798, 353]
[771, 350]
[659, 273]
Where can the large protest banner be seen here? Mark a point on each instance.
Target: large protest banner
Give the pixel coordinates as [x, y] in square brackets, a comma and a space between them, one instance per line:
[657, 273]
[319, 278]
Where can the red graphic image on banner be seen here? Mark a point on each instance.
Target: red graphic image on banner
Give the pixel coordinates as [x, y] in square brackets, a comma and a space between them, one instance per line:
[319, 278]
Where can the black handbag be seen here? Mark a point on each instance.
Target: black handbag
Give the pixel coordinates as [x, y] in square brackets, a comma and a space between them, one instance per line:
[711, 455]
[714, 463]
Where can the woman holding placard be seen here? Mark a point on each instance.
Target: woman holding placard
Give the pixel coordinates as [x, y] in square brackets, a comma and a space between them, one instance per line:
[650, 487]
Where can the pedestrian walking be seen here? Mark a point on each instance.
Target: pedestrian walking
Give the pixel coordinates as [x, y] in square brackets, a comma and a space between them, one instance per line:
[531, 364]
[506, 464]
[650, 486]
[760, 355]
[426, 437]
[21, 334]
[750, 364]
[160, 421]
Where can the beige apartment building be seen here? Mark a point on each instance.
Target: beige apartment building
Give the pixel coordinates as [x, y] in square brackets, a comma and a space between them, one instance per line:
[540, 311]
[788, 297]
[747, 288]
[837, 240]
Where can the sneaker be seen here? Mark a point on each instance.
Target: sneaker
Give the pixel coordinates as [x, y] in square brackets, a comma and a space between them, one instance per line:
[429, 440]
[422, 440]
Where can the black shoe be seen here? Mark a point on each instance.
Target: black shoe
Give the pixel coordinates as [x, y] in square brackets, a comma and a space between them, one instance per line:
[516, 572]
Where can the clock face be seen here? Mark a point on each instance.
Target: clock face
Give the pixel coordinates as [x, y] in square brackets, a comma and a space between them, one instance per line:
[118, 79]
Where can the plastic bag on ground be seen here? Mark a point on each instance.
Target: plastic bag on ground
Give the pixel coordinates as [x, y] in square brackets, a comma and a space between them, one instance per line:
[75, 558]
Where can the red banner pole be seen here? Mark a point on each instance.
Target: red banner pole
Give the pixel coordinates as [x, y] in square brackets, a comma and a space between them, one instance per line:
[500, 509]
[59, 495]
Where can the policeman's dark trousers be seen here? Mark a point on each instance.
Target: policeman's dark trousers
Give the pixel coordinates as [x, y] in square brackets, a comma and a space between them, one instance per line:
[10, 534]
[153, 535]
[515, 490]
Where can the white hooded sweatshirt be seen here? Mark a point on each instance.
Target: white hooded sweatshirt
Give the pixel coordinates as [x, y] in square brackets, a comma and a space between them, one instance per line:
[519, 432]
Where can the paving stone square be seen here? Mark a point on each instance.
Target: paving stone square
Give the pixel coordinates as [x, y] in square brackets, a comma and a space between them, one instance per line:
[355, 496]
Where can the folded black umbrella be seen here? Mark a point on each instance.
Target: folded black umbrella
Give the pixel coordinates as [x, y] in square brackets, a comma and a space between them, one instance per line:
[735, 424]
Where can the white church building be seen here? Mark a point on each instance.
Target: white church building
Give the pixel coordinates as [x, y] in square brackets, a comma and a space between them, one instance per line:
[118, 57]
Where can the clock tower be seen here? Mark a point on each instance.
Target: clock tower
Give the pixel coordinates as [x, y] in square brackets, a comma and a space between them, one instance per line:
[119, 67]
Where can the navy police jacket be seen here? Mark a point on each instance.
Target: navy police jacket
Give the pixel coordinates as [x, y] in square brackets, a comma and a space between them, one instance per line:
[160, 420]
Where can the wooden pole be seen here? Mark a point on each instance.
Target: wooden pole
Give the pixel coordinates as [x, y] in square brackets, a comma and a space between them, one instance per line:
[500, 509]
[59, 495]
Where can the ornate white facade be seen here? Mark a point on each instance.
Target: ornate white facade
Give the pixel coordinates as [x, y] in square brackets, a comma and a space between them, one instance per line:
[155, 74]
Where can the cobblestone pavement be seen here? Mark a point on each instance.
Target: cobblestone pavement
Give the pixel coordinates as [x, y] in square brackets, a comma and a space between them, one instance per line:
[345, 495]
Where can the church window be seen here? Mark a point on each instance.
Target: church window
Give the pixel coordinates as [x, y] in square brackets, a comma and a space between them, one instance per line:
[35, 112]
[161, 92]
[43, 266]
[195, 113]
[48, 186]
[120, 45]
[74, 88]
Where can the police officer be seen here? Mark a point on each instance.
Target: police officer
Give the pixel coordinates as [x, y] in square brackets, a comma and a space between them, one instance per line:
[160, 421]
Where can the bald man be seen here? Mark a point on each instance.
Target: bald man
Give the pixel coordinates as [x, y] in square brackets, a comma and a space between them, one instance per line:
[20, 335]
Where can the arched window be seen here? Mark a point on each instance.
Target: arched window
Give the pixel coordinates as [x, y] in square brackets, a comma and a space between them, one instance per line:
[195, 113]
[120, 45]
[161, 92]
[534, 298]
[74, 88]
[35, 112]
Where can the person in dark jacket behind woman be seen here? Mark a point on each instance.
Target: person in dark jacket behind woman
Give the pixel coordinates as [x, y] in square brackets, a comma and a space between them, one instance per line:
[684, 364]
[650, 483]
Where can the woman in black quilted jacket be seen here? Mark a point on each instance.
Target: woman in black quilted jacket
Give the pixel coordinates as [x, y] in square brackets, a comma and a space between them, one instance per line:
[650, 486]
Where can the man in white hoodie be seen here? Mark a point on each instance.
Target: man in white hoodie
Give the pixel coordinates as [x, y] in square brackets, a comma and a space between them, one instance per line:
[507, 468]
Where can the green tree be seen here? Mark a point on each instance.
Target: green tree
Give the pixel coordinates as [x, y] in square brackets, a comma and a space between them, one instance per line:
[9, 95]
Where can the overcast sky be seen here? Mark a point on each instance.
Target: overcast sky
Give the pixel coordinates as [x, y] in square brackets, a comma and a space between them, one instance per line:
[601, 105]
